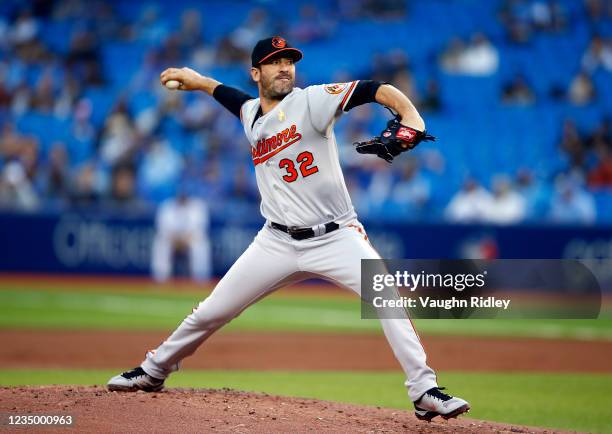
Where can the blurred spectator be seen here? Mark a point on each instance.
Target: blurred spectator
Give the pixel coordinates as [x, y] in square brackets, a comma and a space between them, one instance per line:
[403, 191]
[572, 144]
[412, 190]
[5, 93]
[146, 78]
[181, 226]
[55, 179]
[199, 113]
[478, 58]
[598, 10]
[506, 206]
[602, 133]
[69, 9]
[228, 53]
[384, 8]
[522, 17]
[211, 183]
[536, 197]
[16, 191]
[431, 101]
[25, 28]
[242, 187]
[22, 37]
[433, 161]
[404, 82]
[118, 136]
[10, 142]
[86, 186]
[598, 55]
[386, 66]
[480, 247]
[514, 16]
[20, 148]
[600, 142]
[151, 27]
[548, 15]
[66, 98]
[517, 91]
[351, 129]
[190, 33]
[237, 46]
[82, 128]
[601, 175]
[160, 169]
[84, 57]
[311, 25]
[581, 90]
[571, 203]
[28, 156]
[105, 22]
[170, 52]
[450, 58]
[21, 99]
[379, 187]
[43, 99]
[348, 9]
[470, 204]
[122, 196]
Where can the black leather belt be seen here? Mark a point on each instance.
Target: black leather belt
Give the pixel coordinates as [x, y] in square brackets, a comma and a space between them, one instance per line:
[304, 233]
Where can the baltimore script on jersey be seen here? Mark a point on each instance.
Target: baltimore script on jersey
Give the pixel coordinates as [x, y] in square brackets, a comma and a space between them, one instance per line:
[272, 145]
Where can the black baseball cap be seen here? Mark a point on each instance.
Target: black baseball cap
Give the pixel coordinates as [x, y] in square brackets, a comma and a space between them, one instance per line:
[269, 47]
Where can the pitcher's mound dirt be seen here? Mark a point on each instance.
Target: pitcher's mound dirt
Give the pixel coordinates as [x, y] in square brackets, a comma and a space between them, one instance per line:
[202, 410]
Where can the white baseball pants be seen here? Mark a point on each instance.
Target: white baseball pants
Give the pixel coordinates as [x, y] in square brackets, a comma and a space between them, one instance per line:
[274, 260]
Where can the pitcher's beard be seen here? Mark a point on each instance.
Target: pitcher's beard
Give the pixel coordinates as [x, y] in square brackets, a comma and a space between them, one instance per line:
[271, 91]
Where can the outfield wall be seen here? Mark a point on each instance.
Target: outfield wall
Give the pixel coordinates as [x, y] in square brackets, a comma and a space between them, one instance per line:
[96, 243]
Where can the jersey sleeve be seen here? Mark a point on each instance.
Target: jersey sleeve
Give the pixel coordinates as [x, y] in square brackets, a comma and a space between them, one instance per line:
[248, 111]
[231, 98]
[327, 101]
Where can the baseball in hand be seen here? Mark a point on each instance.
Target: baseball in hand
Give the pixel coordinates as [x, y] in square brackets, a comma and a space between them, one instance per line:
[173, 84]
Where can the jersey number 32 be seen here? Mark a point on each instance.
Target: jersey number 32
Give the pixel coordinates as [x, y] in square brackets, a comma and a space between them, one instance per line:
[305, 159]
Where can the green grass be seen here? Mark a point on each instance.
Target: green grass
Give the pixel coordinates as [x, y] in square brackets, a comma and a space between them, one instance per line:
[48, 307]
[163, 311]
[563, 401]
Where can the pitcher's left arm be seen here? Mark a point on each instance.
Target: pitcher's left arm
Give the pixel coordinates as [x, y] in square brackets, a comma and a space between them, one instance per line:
[403, 132]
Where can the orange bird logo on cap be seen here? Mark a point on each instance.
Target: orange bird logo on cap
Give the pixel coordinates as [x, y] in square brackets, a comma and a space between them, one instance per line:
[278, 42]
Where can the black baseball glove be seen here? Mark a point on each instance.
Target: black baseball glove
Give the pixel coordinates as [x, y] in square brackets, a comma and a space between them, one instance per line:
[393, 140]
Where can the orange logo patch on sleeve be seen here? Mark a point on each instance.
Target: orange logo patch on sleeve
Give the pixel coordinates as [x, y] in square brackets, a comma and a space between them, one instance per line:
[335, 88]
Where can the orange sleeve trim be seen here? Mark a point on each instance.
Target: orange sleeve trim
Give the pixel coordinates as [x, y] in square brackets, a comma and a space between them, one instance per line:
[348, 94]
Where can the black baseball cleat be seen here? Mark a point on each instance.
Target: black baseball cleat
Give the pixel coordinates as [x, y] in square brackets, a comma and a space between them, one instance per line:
[134, 380]
[435, 403]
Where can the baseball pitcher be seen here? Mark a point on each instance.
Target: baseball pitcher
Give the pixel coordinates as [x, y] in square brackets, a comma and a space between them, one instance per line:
[311, 227]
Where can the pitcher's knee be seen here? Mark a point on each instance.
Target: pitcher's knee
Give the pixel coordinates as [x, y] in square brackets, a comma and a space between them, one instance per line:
[211, 315]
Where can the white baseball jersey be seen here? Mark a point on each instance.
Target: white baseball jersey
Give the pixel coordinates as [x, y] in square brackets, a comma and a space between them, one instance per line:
[296, 157]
